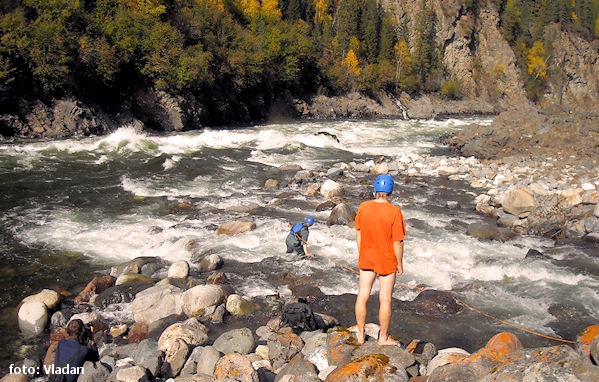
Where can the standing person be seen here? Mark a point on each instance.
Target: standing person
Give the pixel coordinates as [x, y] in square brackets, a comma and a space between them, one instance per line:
[380, 231]
[297, 239]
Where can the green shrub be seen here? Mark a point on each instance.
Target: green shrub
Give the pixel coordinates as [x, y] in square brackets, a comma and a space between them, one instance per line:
[451, 89]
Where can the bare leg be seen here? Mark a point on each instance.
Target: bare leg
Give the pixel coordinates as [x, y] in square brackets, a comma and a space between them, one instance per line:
[387, 283]
[364, 287]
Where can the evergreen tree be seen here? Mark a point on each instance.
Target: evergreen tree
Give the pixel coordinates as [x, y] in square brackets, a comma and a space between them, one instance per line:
[371, 29]
[347, 22]
[424, 45]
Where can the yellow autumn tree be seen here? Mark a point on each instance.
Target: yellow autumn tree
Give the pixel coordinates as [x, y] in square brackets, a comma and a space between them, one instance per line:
[320, 11]
[351, 63]
[249, 8]
[597, 26]
[148, 7]
[271, 9]
[535, 60]
[219, 4]
[403, 57]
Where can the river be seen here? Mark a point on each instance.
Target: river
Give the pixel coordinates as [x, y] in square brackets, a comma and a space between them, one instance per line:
[76, 206]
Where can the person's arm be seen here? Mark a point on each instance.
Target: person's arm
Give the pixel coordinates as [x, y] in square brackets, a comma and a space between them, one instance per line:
[398, 249]
[358, 238]
[308, 253]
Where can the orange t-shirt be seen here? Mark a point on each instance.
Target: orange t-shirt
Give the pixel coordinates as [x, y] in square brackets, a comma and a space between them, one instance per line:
[380, 225]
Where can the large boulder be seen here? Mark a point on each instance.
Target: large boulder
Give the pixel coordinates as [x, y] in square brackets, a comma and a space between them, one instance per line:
[190, 331]
[341, 214]
[519, 202]
[49, 297]
[149, 356]
[198, 298]
[235, 341]
[33, 318]
[94, 372]
[132, 374]
[202, 360]
[330, 189]
[236, 227]
[157, 302]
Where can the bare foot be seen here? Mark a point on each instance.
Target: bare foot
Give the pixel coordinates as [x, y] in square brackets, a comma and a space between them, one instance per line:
[389, 341]
[361, 337]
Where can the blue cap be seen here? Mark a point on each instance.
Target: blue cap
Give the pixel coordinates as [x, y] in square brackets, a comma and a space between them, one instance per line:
[310, 220]
[383, 183]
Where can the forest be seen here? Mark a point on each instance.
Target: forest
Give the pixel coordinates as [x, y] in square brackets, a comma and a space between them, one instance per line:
[225, 52]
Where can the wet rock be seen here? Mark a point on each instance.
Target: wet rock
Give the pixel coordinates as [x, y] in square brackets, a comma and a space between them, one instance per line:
[334, 172]
[210, 263]
[218, 278]
[157, 302]
[133, 278]
[179, 270]
[329, 204]
[243, 207]
[271, 183]
[342, 214]
[302, 176]
[33, 318]
[237, 340]
[283, 346]
[298, 367]
[366, 368]
[313, 189]
[198, 298]
[149, 269]
[134, 266]
[219, 314]
[48, 297]
[330, 189]
[148, 356]
[488, 232]
[119, 294]
[239, 306]
[60, 318]
[191, 331]
[235, 367]
[236, 227]
[533, 254]
[435, 303]
[290, 167]
[584, 340]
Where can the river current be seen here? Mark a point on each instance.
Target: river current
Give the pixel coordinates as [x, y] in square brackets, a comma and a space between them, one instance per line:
[75, 206]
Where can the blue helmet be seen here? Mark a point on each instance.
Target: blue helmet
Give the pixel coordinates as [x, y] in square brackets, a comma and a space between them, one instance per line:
[383, 183]
[310, 220]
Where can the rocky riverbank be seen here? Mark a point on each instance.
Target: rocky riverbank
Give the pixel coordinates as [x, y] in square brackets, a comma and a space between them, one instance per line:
[156, 321]
[153, 322]
[538, 169]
